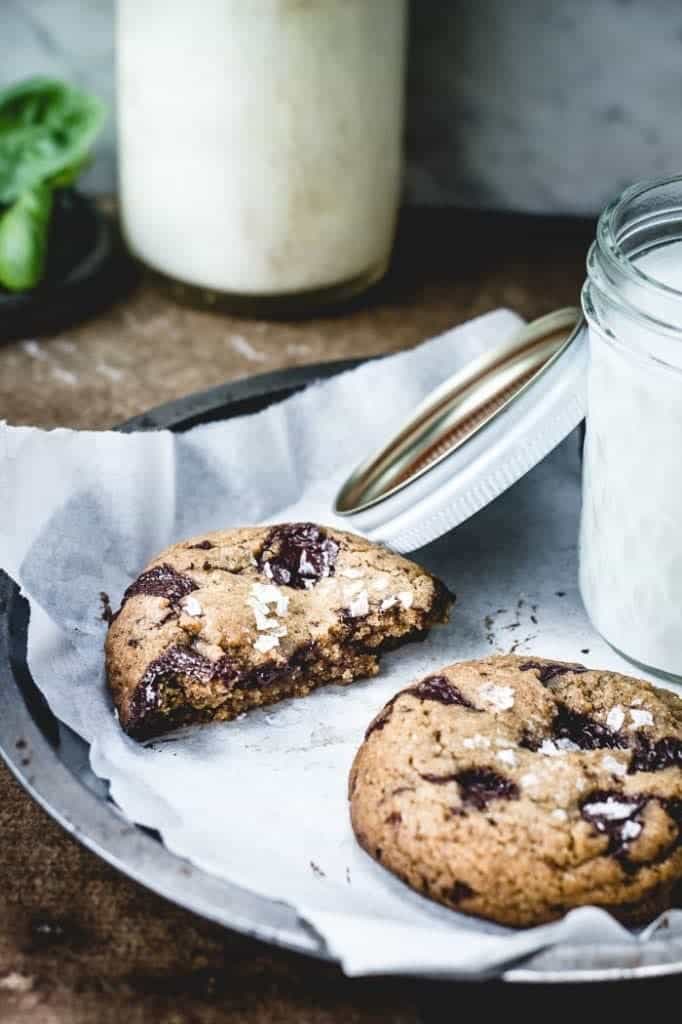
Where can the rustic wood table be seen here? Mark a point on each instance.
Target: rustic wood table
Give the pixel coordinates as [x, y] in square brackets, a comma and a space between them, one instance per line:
[79, 942]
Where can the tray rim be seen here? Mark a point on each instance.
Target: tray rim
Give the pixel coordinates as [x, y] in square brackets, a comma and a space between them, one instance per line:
[99, 826]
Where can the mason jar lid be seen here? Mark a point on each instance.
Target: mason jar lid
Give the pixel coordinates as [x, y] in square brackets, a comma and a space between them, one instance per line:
[474, 436]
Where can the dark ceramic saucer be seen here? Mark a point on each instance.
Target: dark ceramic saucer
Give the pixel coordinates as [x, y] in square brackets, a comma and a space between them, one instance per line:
[87, 269]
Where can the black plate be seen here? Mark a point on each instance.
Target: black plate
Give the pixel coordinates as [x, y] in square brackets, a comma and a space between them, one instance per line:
[52, 763]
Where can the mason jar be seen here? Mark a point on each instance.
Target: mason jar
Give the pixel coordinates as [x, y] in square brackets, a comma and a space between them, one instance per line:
[260, 145]
[631, 528]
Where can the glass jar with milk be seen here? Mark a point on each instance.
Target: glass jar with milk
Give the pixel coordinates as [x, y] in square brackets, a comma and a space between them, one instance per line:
[631, 532]
[260, 145]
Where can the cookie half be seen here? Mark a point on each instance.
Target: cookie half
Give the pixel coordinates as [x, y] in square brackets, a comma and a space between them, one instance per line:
[241, 618]
[518, 788]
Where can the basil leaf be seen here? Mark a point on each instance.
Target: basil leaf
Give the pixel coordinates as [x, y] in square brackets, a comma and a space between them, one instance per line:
[46, 127]
[23, 239]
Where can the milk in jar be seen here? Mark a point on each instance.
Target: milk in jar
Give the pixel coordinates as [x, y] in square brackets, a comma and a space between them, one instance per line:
[631, 528]
[260, 140]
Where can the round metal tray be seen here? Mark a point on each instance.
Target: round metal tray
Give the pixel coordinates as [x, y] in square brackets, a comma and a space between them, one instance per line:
[52, 764]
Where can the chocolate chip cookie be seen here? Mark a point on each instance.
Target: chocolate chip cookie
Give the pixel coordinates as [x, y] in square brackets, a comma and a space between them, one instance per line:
[518, 788]
[240, 618]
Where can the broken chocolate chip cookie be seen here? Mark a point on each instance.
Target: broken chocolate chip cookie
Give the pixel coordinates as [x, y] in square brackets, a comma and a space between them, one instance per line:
[241, 618]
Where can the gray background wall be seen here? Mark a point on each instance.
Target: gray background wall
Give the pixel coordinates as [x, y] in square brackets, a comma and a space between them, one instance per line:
[543, 105]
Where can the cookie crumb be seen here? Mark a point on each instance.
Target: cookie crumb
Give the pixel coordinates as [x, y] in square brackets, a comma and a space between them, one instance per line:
[108, 614]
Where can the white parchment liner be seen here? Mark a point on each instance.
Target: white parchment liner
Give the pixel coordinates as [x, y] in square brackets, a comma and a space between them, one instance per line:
[262, 801]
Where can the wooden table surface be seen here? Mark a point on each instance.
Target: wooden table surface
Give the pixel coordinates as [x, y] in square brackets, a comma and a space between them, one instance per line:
[79, 942]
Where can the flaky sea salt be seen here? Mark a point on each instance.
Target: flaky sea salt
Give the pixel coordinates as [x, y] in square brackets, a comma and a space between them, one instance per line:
[264, 642]
[550, 749]
[563, 743]
[529, 779]
[612, 810]
[615, 718]
[191, 606]
[352, 573]
[260, 611]
[359, 605]
[476, 741]
[631, 829]
[305, 566]
[640, 718]
[559, 814]
[613, 765]
[500, 698]
[406, 598]
[267, 594]
[507, 757]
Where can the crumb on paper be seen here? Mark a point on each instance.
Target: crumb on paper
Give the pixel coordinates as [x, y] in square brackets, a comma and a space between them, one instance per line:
[107, 615]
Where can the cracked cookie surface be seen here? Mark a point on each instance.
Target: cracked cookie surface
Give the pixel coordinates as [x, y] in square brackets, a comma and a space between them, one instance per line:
[240, 618]
[517, 788]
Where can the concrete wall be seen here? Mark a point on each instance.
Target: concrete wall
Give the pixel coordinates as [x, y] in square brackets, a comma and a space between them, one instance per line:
[545, 105]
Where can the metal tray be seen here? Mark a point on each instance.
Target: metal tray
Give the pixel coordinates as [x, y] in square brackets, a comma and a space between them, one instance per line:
[51, 762]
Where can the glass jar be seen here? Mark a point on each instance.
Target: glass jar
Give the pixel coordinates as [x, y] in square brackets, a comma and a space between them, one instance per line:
[260, 145]
[631, 529]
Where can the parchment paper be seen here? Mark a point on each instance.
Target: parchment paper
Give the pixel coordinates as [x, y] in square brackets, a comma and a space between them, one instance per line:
[262, 801]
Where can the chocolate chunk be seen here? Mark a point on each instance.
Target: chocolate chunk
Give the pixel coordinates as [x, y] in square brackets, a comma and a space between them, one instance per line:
[440, 689]
[161, 581]
[163, 671]
[461, 891]
[298, 555]
[585, 732]
[394, 818]
[186, 662]
[655, 755]
[550, 670]
[380, 720]
[673, 808]
[615, 815]
[477, 786]
[203, 545]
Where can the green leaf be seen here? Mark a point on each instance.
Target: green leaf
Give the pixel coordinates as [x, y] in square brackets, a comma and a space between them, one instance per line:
[23, 239]
[46, 129]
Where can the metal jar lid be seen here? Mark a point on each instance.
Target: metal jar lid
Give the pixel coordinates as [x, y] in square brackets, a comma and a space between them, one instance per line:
[474, 436]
